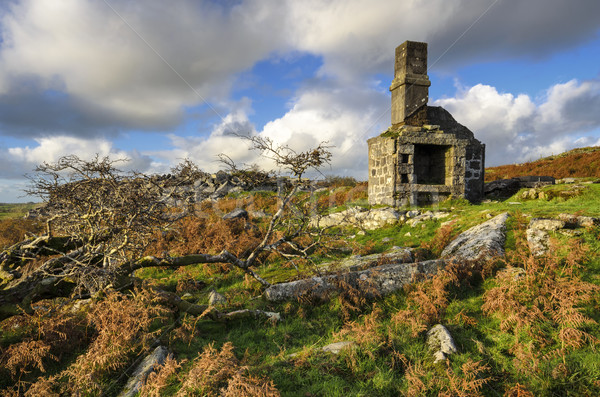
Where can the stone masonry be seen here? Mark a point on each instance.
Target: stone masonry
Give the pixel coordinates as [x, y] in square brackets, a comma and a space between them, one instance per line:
[425, 156]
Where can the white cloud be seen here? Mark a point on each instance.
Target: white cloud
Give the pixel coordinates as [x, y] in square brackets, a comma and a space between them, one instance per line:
[84, 49]
[321, 113]
[15, 162]
[516, 129]
[108, 78]
[73, 68]
[355, 36]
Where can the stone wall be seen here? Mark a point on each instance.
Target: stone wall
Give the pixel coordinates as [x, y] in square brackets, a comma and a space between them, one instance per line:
[382, 166]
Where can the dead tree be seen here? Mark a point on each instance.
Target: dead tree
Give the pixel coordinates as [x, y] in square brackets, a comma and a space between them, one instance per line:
[102, 220]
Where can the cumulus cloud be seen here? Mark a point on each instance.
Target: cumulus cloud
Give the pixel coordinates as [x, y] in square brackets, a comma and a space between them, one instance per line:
[343, 117]
[517, 129]
[102, 70]
[355, 36]
[15, 162]
[80, 67]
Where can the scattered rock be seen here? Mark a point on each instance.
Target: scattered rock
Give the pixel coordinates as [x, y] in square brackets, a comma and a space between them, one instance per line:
[546, 224]
[382, 280]
[376, 218]
[484, 240]
[187, 297]
[147, 366]
[587, 221]
[571, 232]
[216, 299]
[337, 347]
[238, 213]
[413, 213]
[537, 240]
[517, 272]
[538, 230]
[273, 317]
[508, 187]
[440, 341]
[80, 305]
[258, 214]
[394, 256]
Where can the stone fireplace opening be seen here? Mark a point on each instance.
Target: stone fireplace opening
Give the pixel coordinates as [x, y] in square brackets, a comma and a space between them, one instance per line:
[432, 164]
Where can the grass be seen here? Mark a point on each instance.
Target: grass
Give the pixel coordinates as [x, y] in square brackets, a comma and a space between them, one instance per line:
[577, 163]
[15, 210]
[389, 358]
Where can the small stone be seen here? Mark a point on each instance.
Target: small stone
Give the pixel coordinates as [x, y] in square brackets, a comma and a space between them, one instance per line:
[587, 221]
[187, 296]
[542, 196]
[546, 224]
[147, 366]
[386, 240]
[258, 214]
[412, 213]
[215, 299]
[361, 233]
[408, 234]
[537, 240]
[236, 214]
[440, 341]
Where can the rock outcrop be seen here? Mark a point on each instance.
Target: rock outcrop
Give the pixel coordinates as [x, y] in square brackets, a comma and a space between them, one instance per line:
[368, 274]
[482, 241]
[502, 188]
[147, 366]
[440, 342]
[379, 280]
[538, 230]
[376, 218]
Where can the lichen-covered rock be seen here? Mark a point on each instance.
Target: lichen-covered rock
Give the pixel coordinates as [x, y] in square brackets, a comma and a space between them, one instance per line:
[238, 213]
[380, 280]
[357, 262]
[482, 241]
[546, 224]
[440, 341]
[147, 366]
[537, 240]
[359, 217]
[215, 299]
[337, 347]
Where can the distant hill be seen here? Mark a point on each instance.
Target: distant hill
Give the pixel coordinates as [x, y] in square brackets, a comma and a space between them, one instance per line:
[576, 163]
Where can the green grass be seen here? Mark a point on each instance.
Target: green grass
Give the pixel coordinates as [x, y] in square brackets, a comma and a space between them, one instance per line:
[375, 368]
[15, 210]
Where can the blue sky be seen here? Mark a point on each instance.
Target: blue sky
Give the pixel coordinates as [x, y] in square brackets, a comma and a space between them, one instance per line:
[159, 81]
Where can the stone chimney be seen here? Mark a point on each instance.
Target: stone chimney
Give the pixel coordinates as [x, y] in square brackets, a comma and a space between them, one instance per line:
[410, 87]
[425, 156]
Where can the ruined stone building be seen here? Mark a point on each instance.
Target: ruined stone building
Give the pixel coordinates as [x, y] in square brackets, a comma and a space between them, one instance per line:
[425, 156]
